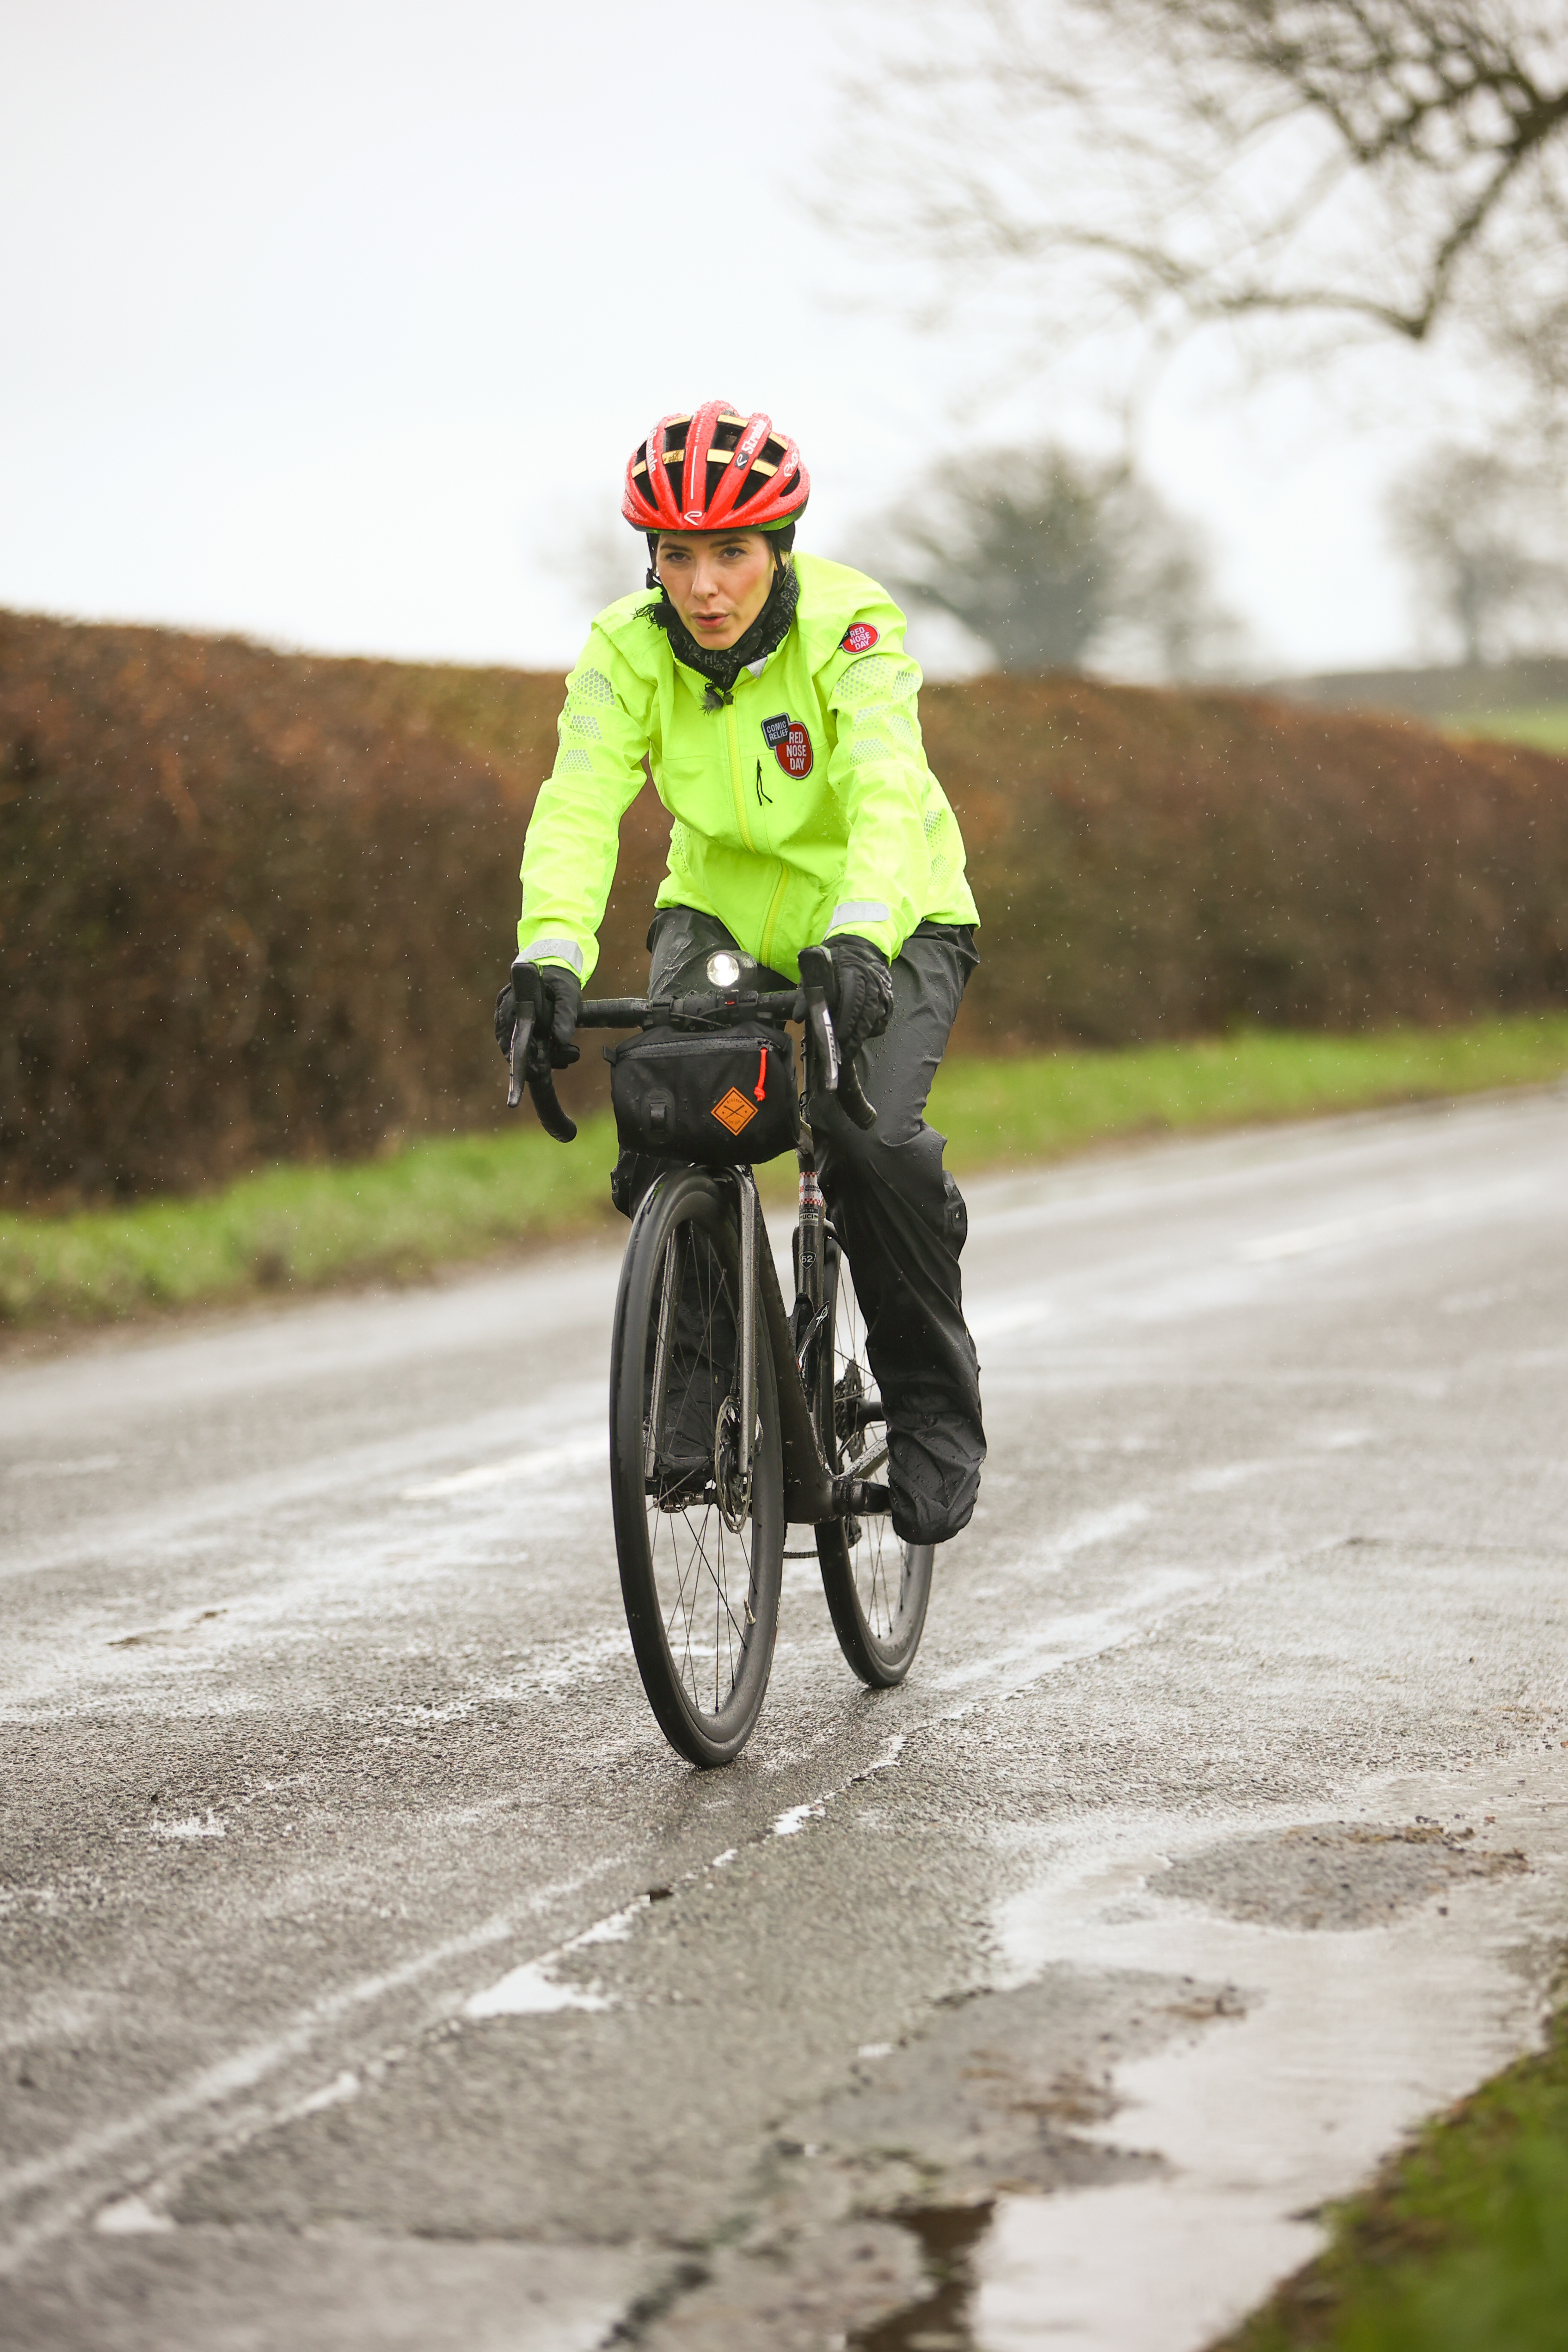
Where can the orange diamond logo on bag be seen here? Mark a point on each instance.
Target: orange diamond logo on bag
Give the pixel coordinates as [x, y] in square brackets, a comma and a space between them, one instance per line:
[732, 1110]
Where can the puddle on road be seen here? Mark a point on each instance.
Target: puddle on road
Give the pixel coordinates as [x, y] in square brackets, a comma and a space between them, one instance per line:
[940, 2322]
[1386, 1968]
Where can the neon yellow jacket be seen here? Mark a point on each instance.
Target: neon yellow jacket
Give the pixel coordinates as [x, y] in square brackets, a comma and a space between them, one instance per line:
[802, 808]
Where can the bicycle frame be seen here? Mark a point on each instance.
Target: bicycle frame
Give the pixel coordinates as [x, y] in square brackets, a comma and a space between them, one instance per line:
[813, 1492]
[809, 1483]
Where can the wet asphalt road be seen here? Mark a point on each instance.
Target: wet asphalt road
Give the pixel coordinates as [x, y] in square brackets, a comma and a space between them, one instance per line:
[375, 1975]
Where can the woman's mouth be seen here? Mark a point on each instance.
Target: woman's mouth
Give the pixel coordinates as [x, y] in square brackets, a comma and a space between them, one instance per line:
[710, 620]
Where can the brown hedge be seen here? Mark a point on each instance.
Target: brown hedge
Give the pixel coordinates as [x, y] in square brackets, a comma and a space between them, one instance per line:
[255, 905]
[1155, 865]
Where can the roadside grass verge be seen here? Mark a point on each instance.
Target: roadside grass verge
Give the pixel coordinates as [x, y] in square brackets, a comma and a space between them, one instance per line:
[1543, 726]
[400, 1216]
[1460, 2245]
[1042, 1107]
[297, 1229]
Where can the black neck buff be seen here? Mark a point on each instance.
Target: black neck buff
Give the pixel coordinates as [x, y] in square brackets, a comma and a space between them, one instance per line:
[722, 668]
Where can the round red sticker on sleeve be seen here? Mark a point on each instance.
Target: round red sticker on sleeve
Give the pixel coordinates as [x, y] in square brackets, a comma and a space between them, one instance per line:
[860, 638]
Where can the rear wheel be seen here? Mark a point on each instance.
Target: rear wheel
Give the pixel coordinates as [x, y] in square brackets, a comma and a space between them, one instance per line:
[877, 1585]
[700, 1547]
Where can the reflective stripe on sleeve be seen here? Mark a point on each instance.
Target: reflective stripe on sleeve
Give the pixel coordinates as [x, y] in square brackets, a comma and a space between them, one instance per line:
[860, 910]
[555, 952]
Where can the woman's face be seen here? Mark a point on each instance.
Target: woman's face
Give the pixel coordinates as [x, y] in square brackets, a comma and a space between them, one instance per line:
[717, 581]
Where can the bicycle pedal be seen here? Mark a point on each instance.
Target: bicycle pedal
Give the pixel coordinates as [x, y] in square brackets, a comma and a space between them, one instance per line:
[860, 1497]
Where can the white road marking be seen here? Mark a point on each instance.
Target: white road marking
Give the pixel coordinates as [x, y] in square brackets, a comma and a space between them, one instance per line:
[533, 1989]
[790, 1823]
[331, 2095]
[88, 1465]
[246, 2068]
[129, 2217]
[1230, 1473]
[529, 1991]
[581, 1451]
[1397, 1217]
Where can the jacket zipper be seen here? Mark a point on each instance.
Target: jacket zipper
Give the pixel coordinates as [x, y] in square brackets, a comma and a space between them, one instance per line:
[765, 944]
[735, 777]
[764, 952]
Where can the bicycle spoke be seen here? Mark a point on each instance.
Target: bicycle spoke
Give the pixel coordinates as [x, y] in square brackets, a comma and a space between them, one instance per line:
[877, 1585]
[700, 1542]
[702, 1570]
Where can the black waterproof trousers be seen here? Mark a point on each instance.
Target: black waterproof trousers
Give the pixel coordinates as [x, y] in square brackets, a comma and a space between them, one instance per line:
[900, 1217]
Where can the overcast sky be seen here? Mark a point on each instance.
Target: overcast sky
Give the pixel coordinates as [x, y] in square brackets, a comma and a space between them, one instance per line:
[333, 323]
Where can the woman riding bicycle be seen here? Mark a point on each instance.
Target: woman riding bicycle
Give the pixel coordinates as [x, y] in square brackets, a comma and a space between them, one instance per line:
[771, 698]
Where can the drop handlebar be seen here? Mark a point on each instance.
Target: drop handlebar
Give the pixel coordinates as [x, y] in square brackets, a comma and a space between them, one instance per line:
[530, 1058]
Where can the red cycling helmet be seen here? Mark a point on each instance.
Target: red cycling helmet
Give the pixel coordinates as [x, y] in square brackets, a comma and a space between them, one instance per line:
[715, 471]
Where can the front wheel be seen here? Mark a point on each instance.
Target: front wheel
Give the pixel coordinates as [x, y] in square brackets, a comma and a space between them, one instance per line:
[877, 1585]
[700, 1544]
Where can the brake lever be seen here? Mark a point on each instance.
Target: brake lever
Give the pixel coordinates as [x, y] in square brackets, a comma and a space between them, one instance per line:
[815, 970]
[826, 1044]
[530, 1058]
[521, 1038]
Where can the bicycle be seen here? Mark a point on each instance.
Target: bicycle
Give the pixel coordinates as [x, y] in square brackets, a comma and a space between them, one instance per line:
[730, 1419]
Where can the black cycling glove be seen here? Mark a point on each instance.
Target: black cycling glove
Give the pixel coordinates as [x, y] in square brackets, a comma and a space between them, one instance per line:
[863, 988]
[560, 1003]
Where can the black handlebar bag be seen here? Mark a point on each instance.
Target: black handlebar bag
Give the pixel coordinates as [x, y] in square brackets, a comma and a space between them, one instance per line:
[720, 1097]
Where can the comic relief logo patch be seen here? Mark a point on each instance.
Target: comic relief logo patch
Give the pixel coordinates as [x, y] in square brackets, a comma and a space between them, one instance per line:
[860, 638]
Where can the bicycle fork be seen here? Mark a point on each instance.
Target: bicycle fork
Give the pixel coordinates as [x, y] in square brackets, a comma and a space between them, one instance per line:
[748, 1433]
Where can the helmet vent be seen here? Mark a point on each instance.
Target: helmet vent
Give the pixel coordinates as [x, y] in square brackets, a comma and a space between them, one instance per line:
[743, 472]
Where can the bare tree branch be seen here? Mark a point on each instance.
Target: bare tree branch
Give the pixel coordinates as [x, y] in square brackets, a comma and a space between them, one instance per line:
[1391, 164]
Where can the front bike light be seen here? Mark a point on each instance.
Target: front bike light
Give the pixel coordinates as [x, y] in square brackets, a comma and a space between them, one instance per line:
[726, 969]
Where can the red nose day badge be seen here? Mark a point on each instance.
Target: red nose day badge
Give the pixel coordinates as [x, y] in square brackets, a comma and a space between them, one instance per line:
[790, 744]
[860, 638]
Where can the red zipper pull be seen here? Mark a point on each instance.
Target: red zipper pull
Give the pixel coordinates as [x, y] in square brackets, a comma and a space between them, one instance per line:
[761, 1073]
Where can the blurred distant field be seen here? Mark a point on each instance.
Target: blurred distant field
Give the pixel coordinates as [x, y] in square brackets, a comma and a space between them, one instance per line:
[1544, 725]
[1523, 701]
[254, 906]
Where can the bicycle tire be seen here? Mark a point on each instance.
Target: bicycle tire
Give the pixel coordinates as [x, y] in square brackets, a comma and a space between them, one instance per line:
[702, 1591]
[877, 1586]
